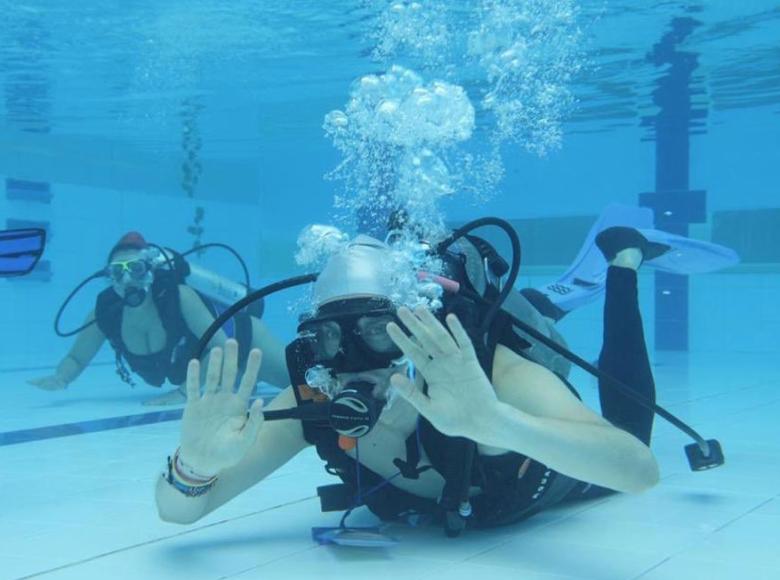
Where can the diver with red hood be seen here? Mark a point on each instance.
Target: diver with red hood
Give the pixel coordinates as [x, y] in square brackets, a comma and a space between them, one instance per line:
[153, 320]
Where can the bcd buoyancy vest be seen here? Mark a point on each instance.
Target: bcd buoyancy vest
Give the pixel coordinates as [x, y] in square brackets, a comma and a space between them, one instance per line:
[170, 362]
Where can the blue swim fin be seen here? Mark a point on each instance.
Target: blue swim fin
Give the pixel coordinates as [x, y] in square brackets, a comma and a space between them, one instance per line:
[20, 250]
[585, 279]
[688, 256]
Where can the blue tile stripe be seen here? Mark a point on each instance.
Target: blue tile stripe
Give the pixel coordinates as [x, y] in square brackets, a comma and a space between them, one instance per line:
[92, 426]
[97, 425]
[20, 189]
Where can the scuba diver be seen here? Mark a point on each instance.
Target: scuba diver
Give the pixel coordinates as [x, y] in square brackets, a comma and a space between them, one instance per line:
[152, 318]
[451, 415]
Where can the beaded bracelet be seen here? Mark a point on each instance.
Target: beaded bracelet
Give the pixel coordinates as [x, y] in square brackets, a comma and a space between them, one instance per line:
[187, 473]
[180, 481]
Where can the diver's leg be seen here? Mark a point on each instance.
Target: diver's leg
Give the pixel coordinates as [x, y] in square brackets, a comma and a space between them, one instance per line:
[624, 357]
[274, 367]
[584, 281]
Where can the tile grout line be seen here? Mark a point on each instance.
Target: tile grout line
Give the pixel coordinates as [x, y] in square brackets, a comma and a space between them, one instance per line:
[711, 533]
[583, 508]
[164, 538]
[747, 513]
[654, 566]
[270, 562]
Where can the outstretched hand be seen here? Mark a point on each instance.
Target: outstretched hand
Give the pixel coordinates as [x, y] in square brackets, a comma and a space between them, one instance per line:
[459, 392]
[217, 429]
[49, 383]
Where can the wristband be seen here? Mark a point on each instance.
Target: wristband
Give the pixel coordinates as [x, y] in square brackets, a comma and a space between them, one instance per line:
[187, 473]
[178, 481]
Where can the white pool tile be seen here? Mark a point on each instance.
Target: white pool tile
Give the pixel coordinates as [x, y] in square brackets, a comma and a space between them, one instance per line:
[550, 556]
[89, 500]
[691, 567]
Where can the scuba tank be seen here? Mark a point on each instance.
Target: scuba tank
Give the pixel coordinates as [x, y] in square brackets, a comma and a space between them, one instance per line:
[221, 291]
[214, 286]
[484, 268]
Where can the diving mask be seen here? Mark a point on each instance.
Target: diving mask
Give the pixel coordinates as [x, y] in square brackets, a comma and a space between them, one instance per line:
[136, 269]
[350, 335]
[131, 279]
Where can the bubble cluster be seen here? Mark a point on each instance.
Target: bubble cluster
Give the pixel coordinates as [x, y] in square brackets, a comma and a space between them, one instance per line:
[421, 29]
[409, 264]
[526, 52]
[407, 142]
[316, 242]
[529, 51]
[320, 378]
[398, 108]
[395, 135]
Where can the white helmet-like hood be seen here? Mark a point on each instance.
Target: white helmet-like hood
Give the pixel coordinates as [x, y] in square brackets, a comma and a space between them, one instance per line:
[360, 269]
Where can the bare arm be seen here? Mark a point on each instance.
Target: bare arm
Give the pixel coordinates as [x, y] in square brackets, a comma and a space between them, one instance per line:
[526, 408]
[538, 416]
[79, 356]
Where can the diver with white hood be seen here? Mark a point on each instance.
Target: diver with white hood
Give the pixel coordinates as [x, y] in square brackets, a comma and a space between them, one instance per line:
[448, 414]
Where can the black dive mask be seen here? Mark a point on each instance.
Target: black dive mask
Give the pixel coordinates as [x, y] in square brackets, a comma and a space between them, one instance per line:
[350, 336]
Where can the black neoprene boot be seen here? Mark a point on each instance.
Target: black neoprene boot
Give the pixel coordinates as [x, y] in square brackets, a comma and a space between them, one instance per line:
[618, 238]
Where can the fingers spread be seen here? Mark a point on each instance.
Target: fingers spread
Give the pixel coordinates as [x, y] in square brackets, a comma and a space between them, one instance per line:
[249, 380]
[213, 371]
[418, 356]
[193, 380]
[444, 341]
[230, 365]
[460, 334]
[419, 331]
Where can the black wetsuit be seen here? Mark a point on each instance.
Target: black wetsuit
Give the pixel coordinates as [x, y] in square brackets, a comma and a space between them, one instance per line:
[169, 363]
[514, 487]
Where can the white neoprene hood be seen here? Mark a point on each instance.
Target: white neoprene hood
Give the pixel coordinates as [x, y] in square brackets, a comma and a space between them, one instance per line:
[359, 269]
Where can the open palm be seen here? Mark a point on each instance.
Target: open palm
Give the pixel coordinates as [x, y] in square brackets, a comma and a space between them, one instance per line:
[217, 428]
[457, 385]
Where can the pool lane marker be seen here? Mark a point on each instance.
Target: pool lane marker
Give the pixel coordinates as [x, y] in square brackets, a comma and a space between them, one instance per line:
[82, 427]
[91, 426]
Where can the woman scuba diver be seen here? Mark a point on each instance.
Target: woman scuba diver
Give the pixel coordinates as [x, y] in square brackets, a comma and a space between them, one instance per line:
[153, 320]
[529, 441]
